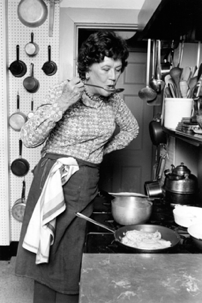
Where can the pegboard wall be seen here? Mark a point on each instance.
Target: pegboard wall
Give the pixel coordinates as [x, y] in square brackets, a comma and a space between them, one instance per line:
[19, 34]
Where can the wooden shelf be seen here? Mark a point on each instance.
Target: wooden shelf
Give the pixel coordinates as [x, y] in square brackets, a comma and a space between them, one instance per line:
[194, 139]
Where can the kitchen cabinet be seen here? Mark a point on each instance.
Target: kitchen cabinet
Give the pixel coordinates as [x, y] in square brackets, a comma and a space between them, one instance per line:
[170, 20]
[147, 278]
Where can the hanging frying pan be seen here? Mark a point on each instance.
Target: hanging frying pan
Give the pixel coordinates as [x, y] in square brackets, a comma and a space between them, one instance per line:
[18, 208]
[49, 67]
[17, 119]
[20, 166]
[32, 13]
[32, 48]
[166, 234]
[18, 68]
[30, 83]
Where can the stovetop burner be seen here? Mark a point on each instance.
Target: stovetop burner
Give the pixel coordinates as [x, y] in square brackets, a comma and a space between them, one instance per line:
[98, 240]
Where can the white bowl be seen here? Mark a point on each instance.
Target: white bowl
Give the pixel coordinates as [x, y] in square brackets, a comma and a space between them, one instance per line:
[187, 215]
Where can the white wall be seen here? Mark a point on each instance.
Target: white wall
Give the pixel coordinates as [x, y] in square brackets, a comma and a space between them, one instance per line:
[126, 4]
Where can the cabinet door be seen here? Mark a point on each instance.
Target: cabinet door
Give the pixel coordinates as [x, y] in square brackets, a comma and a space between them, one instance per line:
[128, 169]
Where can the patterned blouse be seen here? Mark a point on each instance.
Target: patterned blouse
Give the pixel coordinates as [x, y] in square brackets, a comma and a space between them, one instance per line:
[84, 131]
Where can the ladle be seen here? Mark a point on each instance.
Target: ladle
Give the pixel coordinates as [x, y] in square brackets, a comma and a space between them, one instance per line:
[147, 93]
[160, 82]
[115, 90]
[153, 82]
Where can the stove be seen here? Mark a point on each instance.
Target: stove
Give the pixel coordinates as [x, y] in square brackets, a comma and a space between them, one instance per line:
[99, 240]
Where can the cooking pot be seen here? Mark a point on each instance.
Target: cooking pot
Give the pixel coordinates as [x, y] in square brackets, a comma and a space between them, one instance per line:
[180, 180]
[180, 185]
[156, 132]
[130, 208]
[166, 234]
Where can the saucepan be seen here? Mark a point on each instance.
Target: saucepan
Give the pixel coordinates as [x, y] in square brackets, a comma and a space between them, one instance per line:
[20, 166]
[18, 68]
[49, 67]
[130, 208]
[166, 234]
[18, 208]
[31, 84]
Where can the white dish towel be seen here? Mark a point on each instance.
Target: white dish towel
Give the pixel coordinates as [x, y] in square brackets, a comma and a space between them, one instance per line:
[41, 228]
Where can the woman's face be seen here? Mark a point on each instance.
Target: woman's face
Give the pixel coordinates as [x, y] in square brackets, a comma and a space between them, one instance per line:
[105, 74]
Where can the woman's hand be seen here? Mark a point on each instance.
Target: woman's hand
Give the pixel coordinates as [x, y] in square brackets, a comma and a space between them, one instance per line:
[72, 92]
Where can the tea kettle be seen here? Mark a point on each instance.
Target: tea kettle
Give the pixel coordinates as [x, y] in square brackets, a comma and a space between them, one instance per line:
[180, 180]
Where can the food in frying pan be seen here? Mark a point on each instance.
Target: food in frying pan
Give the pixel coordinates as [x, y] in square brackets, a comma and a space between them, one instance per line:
[145, 240]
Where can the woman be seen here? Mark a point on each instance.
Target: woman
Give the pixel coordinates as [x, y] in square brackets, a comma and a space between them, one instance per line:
[76, 120]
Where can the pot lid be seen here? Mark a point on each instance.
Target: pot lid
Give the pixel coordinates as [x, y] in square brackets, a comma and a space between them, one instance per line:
[181, 170]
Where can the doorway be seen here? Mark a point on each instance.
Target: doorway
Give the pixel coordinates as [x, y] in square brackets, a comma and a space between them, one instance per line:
[127, 170]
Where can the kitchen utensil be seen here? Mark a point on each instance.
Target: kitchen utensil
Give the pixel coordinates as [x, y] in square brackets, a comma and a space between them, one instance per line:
[147, 93]
[130, 209]
[51, 17]
[153, 81]
[184, 88]
[186, 72]
[180, 180]
[49, 67]
[187, 215]
[176, 71]
[153, 189]
[32, 13]
[195, 232]
[30, 114]
[160, 82]
[175, 74]
[20, 166]
[156, 132]
[166, 234]
[18, 208]
[18, 68]
[17, 119]
[32, 48]
[175, 109]
[30, 83]
[115, 90]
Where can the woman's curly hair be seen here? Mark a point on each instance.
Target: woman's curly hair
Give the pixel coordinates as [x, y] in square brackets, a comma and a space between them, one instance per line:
[97, 46]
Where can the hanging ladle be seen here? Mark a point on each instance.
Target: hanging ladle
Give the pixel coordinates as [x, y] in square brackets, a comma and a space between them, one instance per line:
[153, 82]
[113, 90]
[160, 82]
[147, 93]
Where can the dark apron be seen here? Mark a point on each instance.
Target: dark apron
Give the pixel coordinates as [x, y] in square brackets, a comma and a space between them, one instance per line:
[62, 273]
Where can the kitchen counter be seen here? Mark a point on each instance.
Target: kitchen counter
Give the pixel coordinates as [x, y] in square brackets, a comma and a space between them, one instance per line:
[151, 278]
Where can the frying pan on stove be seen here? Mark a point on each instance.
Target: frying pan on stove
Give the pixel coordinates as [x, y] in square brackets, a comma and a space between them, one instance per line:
[166, 234]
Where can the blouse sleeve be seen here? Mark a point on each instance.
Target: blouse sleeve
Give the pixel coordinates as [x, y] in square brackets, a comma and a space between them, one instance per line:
[128, 127]
[35, 131]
